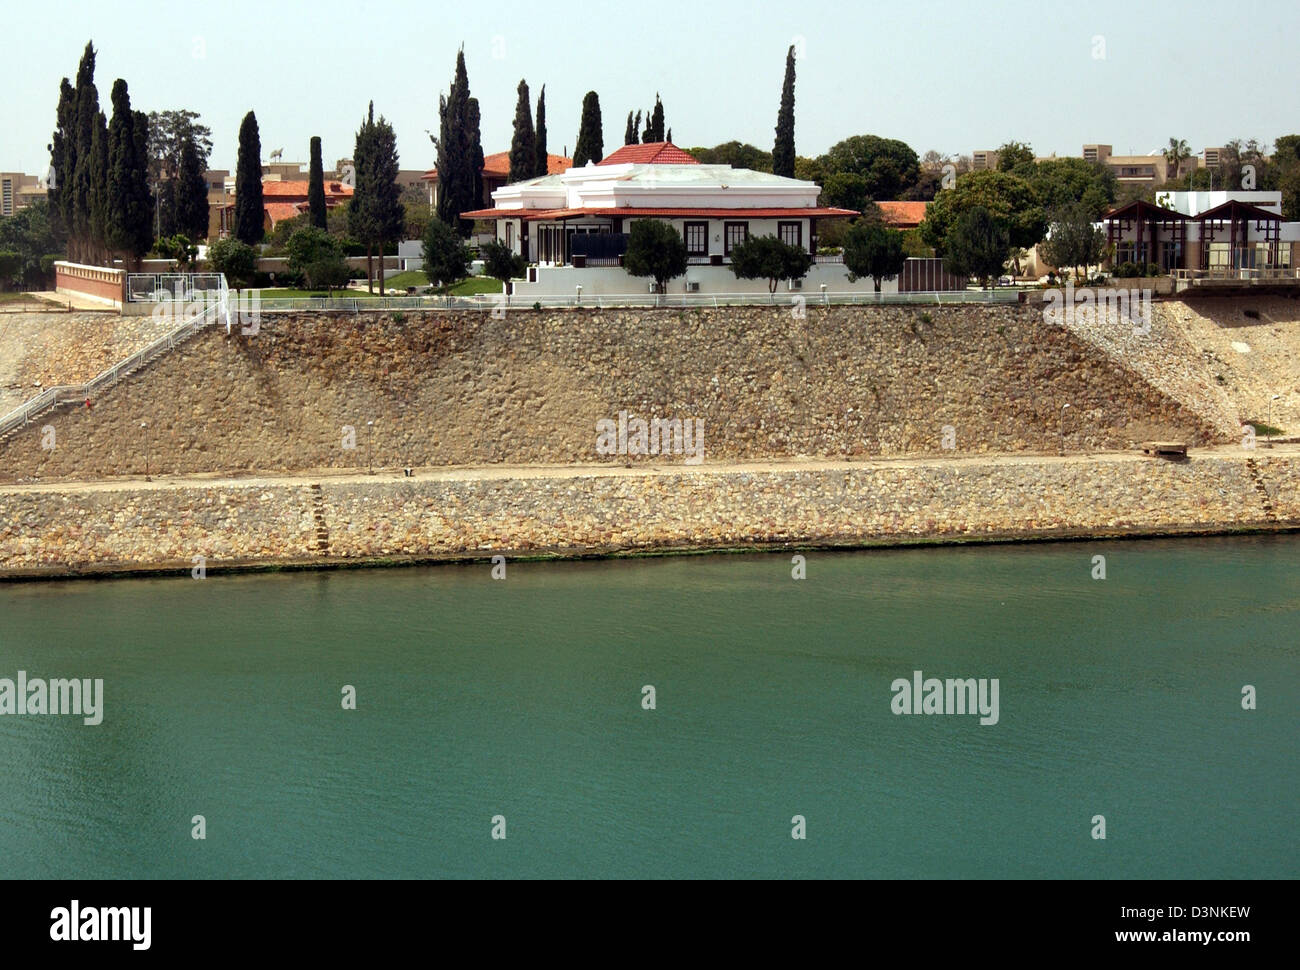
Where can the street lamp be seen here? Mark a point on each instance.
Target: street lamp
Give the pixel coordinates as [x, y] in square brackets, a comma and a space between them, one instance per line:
[1270, 416]
[370, 452]
[144, 432]
[1064, 408]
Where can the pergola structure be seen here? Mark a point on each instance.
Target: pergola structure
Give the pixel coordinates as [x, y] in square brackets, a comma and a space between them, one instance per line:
[1235, 219]
[1145, 226]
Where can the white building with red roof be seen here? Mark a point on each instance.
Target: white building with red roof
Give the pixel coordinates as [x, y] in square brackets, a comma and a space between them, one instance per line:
[572, 226]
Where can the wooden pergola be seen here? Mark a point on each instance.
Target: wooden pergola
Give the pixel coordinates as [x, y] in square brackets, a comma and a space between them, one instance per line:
[1140, 218]
[1236, 218]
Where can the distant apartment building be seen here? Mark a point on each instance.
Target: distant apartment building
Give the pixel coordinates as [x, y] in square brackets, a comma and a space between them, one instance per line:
[981, 160]
[18, 191]
[1150, 169]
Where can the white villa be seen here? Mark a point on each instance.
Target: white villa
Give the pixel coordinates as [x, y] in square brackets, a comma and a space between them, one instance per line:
[572, 227]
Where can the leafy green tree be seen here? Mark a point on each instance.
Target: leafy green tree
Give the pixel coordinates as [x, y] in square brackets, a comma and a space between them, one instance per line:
[523, 146]
[539, 142]
[460, 187]
[375, 214]
[30, 233]
[873, 249]
[976, 245]
[11, 265]
[446, 257]
[1059, 182]
[655, 249]
[502, 263]
[318, 257]
[783, 149]
[1073, 239]
[736, 154]
[250, 212]
[1014, 155]
[889, 166]
[809, 169]
[235, 260]
[1009, 199]
[179, 248]
[316, 186]
[768, 258]
[846, 190]
[590, 145]
[97, 227]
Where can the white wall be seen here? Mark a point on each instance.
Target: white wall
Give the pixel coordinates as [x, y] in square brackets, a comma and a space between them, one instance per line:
[561, 281]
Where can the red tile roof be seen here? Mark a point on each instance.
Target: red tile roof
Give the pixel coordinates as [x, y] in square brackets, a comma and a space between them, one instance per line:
[298, 189]
[651, 153]
[905, 215]
[498, 163]
[626, 212]
[279, 211]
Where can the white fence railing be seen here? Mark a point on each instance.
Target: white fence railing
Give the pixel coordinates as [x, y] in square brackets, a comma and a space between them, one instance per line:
[496, 302]
[214, 310]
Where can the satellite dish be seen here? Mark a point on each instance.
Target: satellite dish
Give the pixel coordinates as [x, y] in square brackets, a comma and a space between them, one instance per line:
[277, 154]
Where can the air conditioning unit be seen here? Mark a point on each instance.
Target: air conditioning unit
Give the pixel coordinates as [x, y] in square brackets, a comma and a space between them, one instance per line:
[795, 284]
[692, 286]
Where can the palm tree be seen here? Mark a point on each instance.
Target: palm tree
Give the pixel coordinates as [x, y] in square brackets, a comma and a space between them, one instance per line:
[1175, 154]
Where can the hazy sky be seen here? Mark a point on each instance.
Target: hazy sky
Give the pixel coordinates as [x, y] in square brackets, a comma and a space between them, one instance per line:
[955, 76]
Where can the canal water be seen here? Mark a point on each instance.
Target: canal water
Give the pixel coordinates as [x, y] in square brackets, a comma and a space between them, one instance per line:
[517, 706]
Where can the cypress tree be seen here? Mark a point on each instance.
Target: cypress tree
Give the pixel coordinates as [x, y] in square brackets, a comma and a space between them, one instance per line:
[316, 187]
[63, 160]
[249, 215]
[522, 146]
[142, 213]
[656, 122]
[783, 149]
[539, 142]
[669, 136]
[647, 133]
[629, 133]
[119, 204]
[475, 156]
[459, 183]
[97, 200]
[192, 193]
[376, 215]
[590, 145]
[86, 118]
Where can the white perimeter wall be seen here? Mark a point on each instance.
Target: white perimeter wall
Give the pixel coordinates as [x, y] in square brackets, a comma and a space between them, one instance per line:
[561, 281]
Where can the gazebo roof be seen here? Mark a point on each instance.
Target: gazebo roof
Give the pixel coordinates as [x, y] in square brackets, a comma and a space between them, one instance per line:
[1233, 209]
[1140, 209]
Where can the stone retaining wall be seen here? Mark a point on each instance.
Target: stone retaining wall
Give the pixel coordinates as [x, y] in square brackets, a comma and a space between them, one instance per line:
[131, 526]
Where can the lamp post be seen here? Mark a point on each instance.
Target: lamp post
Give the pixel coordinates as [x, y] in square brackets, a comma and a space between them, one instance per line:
[144, 433]
[1064, 408]
[370, 451]
[1270, 417]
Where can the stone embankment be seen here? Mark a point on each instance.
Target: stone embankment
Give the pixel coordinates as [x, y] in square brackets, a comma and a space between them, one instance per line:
[126, 526]
[463, 388]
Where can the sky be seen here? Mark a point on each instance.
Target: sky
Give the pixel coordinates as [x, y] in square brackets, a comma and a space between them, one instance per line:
[953, 76]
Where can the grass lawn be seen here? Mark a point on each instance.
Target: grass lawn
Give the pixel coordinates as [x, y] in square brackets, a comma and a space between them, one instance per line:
[476, 284]
[412, 277]
[285, 293]
[21, 298]
[1262, 429]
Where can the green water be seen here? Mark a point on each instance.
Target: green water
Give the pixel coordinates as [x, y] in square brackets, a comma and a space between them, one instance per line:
[522, 698]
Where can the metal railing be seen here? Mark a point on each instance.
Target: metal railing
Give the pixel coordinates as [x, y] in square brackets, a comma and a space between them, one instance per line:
[213, 311]
[1228, 273]
[496, 302]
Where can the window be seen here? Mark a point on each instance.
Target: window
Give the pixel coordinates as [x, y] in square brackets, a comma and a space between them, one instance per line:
[696, 235]
[733, 233]
[790, 233]
[510, 236]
